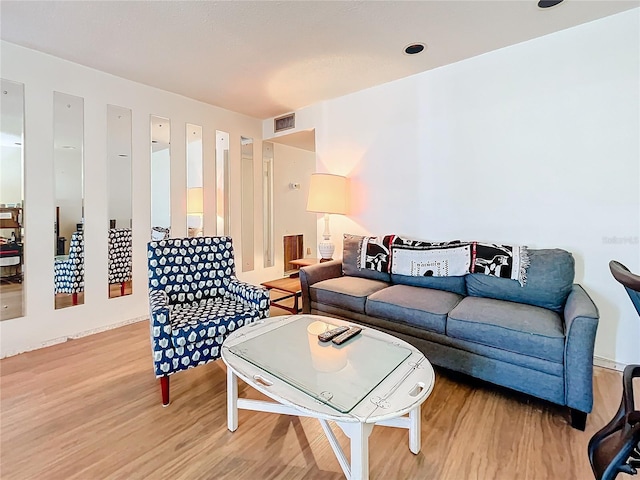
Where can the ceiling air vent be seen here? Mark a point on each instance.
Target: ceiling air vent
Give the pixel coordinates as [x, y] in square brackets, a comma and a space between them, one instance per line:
[284, 123]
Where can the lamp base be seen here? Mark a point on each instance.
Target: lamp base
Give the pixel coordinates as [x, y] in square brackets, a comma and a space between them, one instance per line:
[326, 250]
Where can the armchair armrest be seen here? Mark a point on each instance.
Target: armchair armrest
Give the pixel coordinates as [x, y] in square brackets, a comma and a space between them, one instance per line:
[314, 274]
[159, 320]
[251, 295]
[581, 322]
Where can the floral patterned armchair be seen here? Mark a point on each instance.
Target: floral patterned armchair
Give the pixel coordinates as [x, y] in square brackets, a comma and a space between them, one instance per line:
[120, 257]
[195, 301]
[68, 271]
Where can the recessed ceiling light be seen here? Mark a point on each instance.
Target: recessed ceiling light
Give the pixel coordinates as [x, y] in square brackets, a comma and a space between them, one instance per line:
[414, 48]
[548, 3]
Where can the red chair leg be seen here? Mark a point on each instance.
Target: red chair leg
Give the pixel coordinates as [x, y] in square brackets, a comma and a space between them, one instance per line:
[74, 299]
[164, 385]
[122, 289]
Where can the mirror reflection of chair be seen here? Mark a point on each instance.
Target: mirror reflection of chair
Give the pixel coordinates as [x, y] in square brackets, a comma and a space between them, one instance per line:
[119, 257]
[616, 447]
[160, 233]
[69, 269]
[195, 301]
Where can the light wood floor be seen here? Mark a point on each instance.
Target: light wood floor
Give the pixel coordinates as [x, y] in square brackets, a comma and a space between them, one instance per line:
[10, 300]
[90, 409]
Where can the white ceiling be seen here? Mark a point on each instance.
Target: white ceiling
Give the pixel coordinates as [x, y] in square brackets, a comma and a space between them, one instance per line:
[267, 58]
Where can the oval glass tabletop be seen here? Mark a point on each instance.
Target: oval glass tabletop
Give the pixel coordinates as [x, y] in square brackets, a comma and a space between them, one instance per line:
[340, 376]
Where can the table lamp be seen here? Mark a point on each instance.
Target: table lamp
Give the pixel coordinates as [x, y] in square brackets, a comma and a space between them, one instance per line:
[195, 205]
[327, 194]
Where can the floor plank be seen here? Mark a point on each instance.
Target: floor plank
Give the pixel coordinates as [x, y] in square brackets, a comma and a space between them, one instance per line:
[91, 409]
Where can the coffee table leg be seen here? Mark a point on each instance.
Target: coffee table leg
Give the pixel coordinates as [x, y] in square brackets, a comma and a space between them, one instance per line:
[414, 430]
[358, 434]
[232, 400]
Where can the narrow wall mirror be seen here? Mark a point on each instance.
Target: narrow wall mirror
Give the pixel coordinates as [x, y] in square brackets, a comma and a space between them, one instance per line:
[195, 184]
[12, 234]
[222, 183]
[267, 203]
[68, 160]
[246, 169]
[160, 178]
[119, 203]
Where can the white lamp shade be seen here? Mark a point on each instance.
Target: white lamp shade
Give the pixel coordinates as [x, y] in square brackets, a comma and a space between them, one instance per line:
[195, 201]
[327, 194]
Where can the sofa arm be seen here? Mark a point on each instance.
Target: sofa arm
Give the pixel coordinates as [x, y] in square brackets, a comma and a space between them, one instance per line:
[159, 320]
[581, 322]
[314, 274]
[250, 295]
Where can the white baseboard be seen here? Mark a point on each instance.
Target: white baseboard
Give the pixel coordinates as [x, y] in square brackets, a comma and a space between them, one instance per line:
[607, 363]
[56, 341]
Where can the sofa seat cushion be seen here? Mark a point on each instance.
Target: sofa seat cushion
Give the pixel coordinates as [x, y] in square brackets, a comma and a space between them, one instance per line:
[345, 292]
[209, 318]
[421, 307]
[514, 327]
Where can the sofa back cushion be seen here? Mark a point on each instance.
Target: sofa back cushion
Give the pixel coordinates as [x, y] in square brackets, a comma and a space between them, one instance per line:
[448, 284]
[350, 252]
[549, 281]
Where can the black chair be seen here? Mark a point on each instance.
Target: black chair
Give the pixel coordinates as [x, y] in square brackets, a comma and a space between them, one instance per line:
[629, 281]
[616, 447]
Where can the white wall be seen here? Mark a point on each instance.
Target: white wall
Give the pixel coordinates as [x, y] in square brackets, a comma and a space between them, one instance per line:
[42, 75]
[119, 191]
[68, 193]
[535, 144]
[160, 178]
[11, 174]
[292, 165]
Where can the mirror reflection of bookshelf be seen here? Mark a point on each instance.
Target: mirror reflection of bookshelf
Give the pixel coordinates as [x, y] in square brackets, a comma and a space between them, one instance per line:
[11, 243]
[11, 219]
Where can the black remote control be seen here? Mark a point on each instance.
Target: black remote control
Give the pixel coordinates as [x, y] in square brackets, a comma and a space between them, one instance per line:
[352, 332]
[334, 332]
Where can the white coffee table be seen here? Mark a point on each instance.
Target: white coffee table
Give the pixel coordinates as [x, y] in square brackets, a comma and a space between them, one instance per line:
[372, 379]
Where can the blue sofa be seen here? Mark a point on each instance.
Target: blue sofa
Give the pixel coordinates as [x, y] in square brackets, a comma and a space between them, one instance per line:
[537, 339]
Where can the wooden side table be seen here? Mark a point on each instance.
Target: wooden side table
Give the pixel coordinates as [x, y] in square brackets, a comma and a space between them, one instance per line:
[302, 262]
[289, 285]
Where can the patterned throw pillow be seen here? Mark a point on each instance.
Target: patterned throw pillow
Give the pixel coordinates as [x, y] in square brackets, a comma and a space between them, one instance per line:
[352, 249]
[419, 258]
